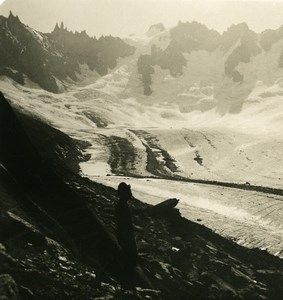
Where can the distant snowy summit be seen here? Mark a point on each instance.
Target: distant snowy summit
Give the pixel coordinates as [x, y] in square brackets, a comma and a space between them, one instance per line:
[155, 29]
[198, 68]
[236, 45]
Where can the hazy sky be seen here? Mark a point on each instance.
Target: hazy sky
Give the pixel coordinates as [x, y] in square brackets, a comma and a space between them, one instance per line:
[123, 17]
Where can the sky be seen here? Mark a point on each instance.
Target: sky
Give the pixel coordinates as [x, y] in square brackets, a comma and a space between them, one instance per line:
[124, 17]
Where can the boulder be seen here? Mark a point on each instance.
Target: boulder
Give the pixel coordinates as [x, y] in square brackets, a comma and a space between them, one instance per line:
[164, 207]
[6, 261]
[13, 226]
[8, 288]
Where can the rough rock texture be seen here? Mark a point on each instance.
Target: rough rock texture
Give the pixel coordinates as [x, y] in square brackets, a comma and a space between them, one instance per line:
[99, 54]
[43, 137]
[61, 242]
[8, 288]
[49, 58]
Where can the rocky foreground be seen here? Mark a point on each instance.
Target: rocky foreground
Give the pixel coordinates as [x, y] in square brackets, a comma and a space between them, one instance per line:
[57, 233]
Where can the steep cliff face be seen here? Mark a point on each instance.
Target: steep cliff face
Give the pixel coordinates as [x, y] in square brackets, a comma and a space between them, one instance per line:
[48, 59]
[24, 51]
[99, 54]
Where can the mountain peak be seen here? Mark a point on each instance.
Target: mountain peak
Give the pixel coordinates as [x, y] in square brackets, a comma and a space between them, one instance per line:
[11, 17]
[155, 29]
[58, 28]
[240, 28]
[56, 55]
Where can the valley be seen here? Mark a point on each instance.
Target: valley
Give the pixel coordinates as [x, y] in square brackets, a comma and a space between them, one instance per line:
[153, 146]
[183, 113]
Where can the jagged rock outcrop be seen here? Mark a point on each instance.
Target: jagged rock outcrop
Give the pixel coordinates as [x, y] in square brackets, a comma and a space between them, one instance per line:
[48, 59]
[25, 51]
[99, 54]
[8, 288]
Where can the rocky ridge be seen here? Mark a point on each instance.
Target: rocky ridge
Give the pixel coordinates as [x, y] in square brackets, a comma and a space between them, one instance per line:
[51, 59]
[189, 65]
[199, 69]
[186, 37]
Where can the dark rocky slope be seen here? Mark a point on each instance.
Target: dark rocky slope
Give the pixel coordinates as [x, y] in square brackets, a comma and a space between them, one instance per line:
[99, 54]
[48, 59]
[57, 234]
[44, 137]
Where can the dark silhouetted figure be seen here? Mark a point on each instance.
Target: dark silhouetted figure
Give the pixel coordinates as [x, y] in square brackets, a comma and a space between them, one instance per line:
[125, 230]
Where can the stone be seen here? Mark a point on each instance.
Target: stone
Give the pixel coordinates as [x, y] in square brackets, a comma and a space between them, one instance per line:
[6, 261]
[13, 226]
[8, 288]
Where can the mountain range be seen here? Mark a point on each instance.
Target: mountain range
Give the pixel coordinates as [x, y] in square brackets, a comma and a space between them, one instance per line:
[189, 64]
[49, 58]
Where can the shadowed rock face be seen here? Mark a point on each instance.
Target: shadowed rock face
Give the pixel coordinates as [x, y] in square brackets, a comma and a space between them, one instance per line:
[48, 58]
[23, 51]
[63, 212]
[99, 54]
[8, 288]
[45, 137]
